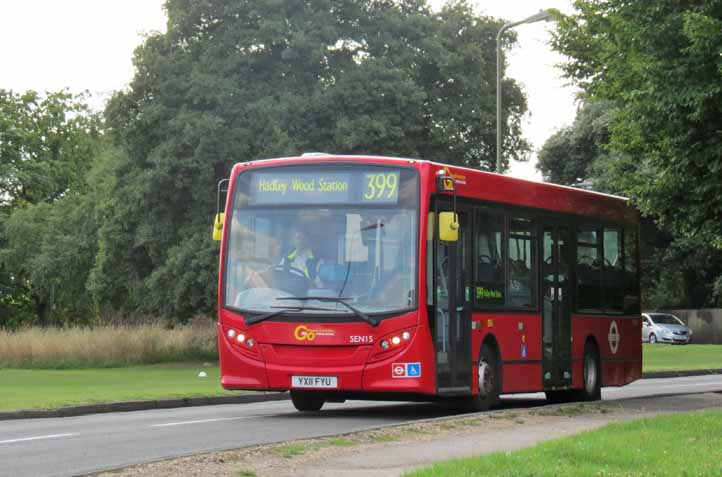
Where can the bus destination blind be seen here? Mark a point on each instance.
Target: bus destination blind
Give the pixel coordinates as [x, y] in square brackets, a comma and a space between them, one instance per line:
[318, 187]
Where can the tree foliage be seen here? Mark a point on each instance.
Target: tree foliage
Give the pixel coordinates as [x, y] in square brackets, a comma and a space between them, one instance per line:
[47, 144]
[244, 80]
[120, 220]
[661, 62]
[568, 155]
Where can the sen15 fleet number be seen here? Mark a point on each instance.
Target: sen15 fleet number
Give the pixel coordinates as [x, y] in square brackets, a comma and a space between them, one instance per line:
[361, 339]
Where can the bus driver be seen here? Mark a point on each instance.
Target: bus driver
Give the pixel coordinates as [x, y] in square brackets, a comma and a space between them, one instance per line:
[301, 257]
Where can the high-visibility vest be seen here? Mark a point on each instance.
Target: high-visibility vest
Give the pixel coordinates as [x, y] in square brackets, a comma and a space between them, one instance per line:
[309, 258]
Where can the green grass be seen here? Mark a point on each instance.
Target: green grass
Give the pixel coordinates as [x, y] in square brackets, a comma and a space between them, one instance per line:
[660, 357]
[292, 450]
[678, 445]
[341, 442]
[51, 388]
[246, 473]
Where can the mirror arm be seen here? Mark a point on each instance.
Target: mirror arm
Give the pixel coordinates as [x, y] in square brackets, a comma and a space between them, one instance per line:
[218, 196]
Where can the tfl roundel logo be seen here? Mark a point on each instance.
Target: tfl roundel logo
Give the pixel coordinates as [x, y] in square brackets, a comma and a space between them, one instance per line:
[406, 370]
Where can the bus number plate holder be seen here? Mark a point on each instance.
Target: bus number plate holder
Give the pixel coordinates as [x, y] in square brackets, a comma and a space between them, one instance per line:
[314, 382]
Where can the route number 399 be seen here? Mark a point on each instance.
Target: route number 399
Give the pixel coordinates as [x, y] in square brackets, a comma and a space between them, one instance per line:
[382, 187]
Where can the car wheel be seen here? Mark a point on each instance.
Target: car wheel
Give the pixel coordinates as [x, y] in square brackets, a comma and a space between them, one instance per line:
[488, 383]
[592, 375]
[652, 339]
[307, 401]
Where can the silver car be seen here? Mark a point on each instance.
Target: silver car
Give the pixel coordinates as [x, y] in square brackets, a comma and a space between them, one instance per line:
[664, 328]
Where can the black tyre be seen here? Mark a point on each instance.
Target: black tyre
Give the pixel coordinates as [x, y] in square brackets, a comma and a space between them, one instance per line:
[592, 375]
[558, 397]
[488, 384]
[307, 401]
[652, 339]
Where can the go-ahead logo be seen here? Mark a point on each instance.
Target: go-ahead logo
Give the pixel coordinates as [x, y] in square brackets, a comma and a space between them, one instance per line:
[304, 333]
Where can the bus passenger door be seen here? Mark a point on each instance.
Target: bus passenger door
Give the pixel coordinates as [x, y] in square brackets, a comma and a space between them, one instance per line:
[452, 300]
[556, 312]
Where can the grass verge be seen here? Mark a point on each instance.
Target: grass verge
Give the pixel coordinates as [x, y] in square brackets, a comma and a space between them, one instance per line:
[50, 389]
[107, 346]
[687, 444]
[660, 357]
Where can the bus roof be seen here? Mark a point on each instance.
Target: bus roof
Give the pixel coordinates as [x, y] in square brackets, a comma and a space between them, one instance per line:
[493, 187]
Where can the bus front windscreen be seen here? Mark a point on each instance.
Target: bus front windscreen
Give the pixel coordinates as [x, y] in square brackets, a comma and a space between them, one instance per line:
[338, 232]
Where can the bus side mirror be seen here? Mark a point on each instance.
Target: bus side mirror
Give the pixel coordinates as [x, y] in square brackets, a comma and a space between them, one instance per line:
[448, 226]
[218, 226]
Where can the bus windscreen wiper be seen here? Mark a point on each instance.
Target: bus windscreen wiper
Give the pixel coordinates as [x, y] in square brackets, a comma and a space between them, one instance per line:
[283, 309]
[344, 301]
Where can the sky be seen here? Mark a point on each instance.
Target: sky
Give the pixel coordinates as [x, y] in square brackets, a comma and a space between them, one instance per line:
[48, 45]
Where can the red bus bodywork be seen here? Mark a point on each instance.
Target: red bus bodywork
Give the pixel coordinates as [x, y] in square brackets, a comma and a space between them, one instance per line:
[364, 369]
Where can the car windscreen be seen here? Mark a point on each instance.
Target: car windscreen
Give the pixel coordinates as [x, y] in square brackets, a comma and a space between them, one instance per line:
[663, 319]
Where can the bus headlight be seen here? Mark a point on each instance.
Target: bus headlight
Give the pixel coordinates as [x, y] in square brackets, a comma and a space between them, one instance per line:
[241, 341]
[391, 343]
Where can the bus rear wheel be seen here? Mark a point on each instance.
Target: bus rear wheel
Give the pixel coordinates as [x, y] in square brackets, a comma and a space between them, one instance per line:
[306, 401]
[592, 375]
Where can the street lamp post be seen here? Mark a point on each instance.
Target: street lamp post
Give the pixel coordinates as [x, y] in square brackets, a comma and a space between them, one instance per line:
[543, 15]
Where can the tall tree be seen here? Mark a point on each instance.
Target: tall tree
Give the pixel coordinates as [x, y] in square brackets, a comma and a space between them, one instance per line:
[568, 155]
[661, 63]
[241, 80]
[47, 144]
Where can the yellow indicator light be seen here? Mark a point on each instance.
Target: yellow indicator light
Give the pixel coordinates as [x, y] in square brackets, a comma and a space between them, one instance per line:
[395, 340]
[241, 338]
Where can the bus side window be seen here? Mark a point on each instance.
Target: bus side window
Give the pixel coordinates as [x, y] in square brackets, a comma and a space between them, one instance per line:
[631, 279]
[589, 269]
[613, 273]
[522, 263]
[489, 275]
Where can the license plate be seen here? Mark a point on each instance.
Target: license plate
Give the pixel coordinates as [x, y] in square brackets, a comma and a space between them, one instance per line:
[316, 382]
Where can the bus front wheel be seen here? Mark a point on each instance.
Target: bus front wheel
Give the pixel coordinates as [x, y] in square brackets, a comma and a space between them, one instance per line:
[307, 401]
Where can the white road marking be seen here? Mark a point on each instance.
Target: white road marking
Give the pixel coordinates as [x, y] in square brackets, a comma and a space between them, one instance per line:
[203, 421]
[36, 438]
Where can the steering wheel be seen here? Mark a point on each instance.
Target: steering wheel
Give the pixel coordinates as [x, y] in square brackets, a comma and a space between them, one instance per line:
[289, 269]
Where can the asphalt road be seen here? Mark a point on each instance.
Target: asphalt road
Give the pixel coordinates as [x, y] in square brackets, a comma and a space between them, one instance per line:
[84, 444]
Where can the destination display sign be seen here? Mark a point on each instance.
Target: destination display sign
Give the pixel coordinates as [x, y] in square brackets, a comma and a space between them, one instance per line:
[289, 186]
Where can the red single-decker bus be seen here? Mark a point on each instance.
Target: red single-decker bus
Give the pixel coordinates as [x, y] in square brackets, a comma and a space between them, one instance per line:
[350, 277]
